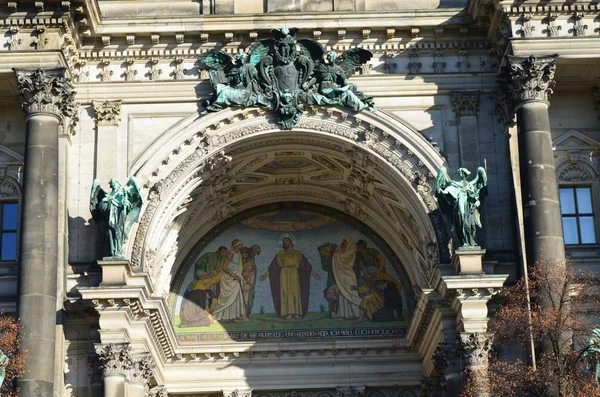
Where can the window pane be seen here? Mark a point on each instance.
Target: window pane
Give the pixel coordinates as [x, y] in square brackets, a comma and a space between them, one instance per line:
[584, 200]
[570, 230]
[9, 247]
[9, 216]
[588, 234]
[567, 201]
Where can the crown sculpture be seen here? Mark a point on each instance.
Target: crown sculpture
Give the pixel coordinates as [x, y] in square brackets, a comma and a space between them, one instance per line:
[285, 74]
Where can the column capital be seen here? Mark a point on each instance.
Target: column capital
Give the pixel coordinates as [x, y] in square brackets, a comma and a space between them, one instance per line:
[475, 347]
[530, 78]
[158, 391]
[115, 359]
[47, 91]
[107, 112]
[465, 103]
[142, 369]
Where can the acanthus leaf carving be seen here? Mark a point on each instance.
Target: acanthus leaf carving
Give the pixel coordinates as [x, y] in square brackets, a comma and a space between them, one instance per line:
[531, 78]
[142, 369]
[107, 112]
[115, 358]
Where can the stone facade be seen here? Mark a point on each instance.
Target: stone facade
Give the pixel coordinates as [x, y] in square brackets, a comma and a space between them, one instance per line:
[112, 89]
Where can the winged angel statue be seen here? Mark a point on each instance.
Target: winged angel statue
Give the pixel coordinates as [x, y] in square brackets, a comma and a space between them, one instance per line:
[285, 74]
[115, 212]
[460, 201]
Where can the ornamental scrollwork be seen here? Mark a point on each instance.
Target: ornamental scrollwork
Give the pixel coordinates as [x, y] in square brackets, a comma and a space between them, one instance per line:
[277, 76]
[575, 172]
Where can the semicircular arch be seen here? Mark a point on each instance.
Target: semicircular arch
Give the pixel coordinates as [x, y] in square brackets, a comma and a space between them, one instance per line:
[203, 160]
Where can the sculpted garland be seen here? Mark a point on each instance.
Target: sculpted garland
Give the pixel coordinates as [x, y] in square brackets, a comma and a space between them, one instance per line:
[285, 75]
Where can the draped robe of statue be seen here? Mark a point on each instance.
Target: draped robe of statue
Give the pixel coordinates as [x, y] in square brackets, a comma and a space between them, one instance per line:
[344, 272]
[230, 304]
[289, 276]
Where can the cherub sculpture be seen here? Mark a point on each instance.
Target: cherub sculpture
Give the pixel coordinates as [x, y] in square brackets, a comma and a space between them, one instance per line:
[115, 212]
[235, 81]
[333, 75]
[460, 201]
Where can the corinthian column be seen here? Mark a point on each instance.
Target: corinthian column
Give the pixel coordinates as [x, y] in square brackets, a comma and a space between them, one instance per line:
[140, 373]
[475, 348]
[48, 101]
[115, 361]
[530, 85]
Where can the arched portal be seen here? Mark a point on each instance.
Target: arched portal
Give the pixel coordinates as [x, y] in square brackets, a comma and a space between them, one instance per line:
[370, 166]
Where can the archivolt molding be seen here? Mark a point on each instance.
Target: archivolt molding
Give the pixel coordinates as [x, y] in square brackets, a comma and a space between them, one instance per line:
[200, 152]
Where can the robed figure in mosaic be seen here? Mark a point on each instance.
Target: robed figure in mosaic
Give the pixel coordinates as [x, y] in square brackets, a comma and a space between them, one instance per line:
[289, 275]
[460, 201]
[115, 212]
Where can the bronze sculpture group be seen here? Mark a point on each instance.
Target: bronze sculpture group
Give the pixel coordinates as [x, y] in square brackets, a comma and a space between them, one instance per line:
[285, 75]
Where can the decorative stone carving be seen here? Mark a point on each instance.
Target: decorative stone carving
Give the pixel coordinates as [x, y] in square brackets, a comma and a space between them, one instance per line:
[414, 66]
[179, 72]
[155, 70]
[107, 112]
[106, 73]
[158, 391]
[130, 71]
[350, 391]
[578, 27]
[8, 189]
[142, 368]
[14, 42]
[553, 29]
[438, 65]
[575, 172]
[390, 67]
[463, 64]
[465, 103]
[47, 91]
[41, 40]
[531, 78]
[237, 393]
[115, 359]
[475, 348]
[526, 29]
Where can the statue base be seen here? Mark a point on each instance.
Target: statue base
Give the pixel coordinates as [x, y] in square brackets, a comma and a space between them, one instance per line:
[115, 270]
[468, 260]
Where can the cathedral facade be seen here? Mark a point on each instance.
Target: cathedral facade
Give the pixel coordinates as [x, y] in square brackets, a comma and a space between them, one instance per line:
[260, 197]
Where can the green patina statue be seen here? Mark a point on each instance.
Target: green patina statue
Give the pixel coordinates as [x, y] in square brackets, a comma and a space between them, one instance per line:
[3, 365]
[460, 201]
[593, 353]
[285, 74]
[115, 212]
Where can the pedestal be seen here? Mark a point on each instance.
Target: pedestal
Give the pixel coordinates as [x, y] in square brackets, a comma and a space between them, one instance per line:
[468, 261]
[114, 271]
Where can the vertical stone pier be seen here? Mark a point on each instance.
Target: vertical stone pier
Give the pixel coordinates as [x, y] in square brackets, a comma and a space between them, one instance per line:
[48, 101]
[530, 85]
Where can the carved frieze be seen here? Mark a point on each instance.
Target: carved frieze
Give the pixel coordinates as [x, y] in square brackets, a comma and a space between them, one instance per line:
[115, 359]
[107, 112]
